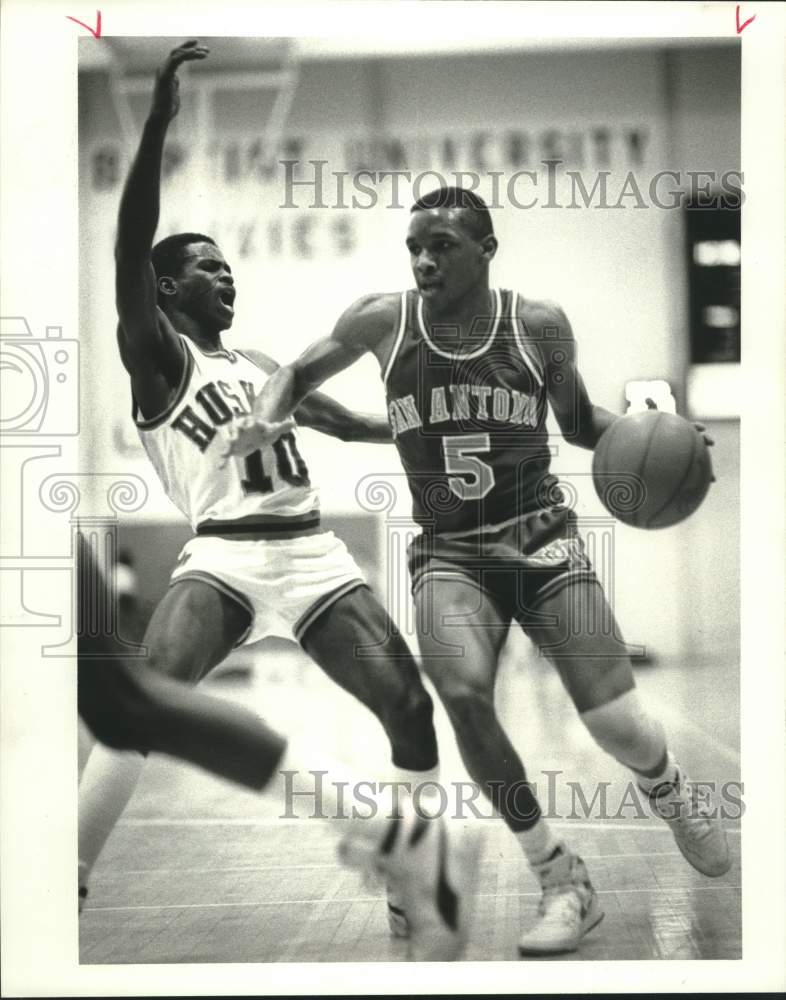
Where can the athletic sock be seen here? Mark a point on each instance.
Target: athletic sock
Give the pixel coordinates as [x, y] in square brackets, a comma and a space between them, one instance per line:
[108, 782]
[661, 779]
[538, 843]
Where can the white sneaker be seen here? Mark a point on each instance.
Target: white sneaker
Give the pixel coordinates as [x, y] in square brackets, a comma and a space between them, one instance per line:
[568, 909]
[360, 850]
[696, 825]
[429, 879]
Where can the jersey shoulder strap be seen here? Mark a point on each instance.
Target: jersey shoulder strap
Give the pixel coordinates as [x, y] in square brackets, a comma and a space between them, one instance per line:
[176, 398]
[258, 359]
[532, 353]
[403, 310]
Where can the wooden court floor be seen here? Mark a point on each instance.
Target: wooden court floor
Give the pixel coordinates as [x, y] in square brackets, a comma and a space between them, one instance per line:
[201, 871]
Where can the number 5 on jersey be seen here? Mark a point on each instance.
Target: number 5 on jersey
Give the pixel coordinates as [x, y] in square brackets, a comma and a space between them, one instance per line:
[470, 478]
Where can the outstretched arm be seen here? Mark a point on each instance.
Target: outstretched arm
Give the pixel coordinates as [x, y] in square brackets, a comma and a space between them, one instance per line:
[328, 416]
[148, 345]
[362, 328]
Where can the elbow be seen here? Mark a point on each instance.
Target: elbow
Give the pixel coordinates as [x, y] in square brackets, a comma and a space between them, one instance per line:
[346, 432]
[588, 438]
[578, 434]
[582, 428]
[583, 436]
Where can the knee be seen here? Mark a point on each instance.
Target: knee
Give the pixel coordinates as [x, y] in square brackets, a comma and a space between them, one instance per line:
[412, 711]
[166, 658]
[468, 704]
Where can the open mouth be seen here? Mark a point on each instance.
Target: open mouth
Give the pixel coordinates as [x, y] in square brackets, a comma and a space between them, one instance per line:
[227, 297]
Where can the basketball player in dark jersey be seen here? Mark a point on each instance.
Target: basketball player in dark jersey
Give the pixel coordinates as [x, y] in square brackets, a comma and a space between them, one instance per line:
[260, 562]
[136, 708]
[469, 371]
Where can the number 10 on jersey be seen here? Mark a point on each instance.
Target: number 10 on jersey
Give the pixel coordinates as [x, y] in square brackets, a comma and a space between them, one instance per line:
[289, 463]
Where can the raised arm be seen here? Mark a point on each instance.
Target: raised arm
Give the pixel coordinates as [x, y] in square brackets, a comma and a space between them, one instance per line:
[149, 347]
[367, 326]
[580, 420]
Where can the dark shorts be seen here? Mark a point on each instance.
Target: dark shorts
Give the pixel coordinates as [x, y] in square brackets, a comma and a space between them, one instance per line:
[518, 564]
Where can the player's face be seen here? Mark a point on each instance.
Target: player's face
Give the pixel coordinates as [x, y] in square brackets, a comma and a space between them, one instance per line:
[206, 287]
[446, 260]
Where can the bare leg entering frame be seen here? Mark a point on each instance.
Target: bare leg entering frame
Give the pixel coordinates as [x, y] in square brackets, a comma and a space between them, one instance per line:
[461, 633]
[192, 630]
[138, 710]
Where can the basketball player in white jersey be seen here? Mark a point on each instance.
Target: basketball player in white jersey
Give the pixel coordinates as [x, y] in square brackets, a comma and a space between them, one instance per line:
[260, 563]
[469, 372]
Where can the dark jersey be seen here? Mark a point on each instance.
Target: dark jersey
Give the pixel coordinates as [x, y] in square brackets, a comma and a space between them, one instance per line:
[469, 424]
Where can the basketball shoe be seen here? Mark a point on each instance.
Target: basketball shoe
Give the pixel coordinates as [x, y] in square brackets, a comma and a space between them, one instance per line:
[429, 872]
[696, 825]
[568, 909]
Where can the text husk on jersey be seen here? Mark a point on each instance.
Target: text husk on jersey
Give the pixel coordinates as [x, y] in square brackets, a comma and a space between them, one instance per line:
[185, 448]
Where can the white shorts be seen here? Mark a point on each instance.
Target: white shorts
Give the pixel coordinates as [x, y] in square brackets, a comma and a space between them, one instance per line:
[284, 584]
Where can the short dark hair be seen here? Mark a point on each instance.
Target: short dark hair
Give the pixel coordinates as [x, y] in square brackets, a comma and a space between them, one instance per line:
[476, 215]
[168, 254]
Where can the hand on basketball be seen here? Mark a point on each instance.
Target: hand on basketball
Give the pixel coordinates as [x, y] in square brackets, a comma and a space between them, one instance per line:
[166, 94]
[707, 439]
[652, 405]
[251, 433]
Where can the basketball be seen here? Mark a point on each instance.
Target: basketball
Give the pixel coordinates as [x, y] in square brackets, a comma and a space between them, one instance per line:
[652, 469]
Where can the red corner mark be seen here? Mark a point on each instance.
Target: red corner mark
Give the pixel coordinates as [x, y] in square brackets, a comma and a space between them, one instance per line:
[740, 27]
[97, 32]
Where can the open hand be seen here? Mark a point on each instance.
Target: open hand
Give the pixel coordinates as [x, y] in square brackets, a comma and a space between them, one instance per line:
[251, 433]
[166, 94]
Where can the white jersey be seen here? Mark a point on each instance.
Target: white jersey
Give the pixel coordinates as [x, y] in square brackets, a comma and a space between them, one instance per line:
[186, 441]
